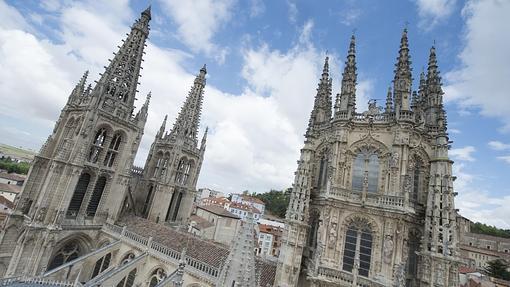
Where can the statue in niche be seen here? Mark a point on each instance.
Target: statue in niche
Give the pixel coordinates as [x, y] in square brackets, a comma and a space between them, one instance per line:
[388, 249]
[399, 277]
[332, 235]
[394, 160]
[440, 275]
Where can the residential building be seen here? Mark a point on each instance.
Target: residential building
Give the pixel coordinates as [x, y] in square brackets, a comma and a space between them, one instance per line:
[249, 200]
[242, 210]
[12, 178]
[224, 223]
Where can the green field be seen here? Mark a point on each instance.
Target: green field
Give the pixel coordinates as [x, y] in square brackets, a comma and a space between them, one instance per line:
[17, 152]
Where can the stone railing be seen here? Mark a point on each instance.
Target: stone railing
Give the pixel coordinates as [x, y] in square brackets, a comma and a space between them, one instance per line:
[21, 281]
[345, 278]
[197, 267]
[371, 199]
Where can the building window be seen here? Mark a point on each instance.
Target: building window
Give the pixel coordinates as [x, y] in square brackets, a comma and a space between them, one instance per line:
[96, 196]
[101, 265]
[79, 193]
[69, 252]
[183, 171]
[157, 276]
[358, 248]
[113, 150]
[366, 170]
[129, 280]
[97, 145]
[488, 247]
[417, 171]
[323, 172]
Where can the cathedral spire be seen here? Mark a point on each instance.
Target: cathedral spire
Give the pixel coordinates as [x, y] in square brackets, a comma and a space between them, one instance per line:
[79, 90]
[389, 102]
[186, 125]
[120, 79]
[144, 110]
[403, 79]
[435, 114]
[204, 139]
[345, 105]
[161, 131]
[321, 112]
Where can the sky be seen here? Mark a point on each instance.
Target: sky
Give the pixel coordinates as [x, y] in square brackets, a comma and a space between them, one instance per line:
[264, 60]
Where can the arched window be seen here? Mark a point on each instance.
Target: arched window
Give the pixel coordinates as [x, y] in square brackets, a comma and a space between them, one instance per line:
[96, 196]
[157, 168]
[157, 276]
[323, 172]
[69, 129]
[417, 178]
[129, 280]
[97, 145]
[101, 265]
[358, 246]
[79, 193]
[68, 252]
[183, 171]
[365, 170]
[113, 150]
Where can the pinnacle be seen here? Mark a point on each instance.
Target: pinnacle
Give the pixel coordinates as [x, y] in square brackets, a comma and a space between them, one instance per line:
[147, 11]
[325, 69]
[352, 46]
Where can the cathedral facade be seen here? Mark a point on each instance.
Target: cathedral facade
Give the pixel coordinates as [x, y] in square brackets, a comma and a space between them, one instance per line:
[372, 202]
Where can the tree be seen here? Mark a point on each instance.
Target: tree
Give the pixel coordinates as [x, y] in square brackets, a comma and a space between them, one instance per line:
[276, 201]
[498, 269]
[481, 228]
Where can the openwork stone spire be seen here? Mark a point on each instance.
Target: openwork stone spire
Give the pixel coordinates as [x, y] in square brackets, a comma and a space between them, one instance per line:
[435, 113]
[345, 105]
[321, 113]
[79, 90]
[239, 268]
[389, 102]
[186, 125]
[403, 79]
[161, 131]
[120, 79]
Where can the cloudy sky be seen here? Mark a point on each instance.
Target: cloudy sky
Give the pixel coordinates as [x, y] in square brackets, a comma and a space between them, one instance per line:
[264, 60]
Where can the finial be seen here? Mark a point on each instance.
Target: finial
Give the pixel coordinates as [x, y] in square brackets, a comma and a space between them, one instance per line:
[406, 25]
[204, 69]
[147, 11]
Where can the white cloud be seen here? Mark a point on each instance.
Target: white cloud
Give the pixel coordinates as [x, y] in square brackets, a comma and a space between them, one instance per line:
[463, 154]
[257, 8]
[254, 137]
[198, 21]
[505, 158]
[497, 145]
[476, 203]
[432, 12]
[293, 11]
[482, 79]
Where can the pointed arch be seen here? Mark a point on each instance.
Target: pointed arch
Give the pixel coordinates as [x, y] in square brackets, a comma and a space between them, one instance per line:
[78, 194]
[96, 195]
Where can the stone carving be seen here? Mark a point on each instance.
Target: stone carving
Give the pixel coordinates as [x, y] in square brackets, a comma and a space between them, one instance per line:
[394, 160]
[388, 249]
[399, 276]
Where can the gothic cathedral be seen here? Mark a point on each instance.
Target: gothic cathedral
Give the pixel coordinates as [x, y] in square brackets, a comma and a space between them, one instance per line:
[83, 176]
[372, 202]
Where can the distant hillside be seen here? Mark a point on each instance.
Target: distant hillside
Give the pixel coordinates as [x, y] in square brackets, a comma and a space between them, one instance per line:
[17, 152]
[482, 228]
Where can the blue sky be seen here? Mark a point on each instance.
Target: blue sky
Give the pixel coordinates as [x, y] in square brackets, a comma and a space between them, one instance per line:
[264, 60]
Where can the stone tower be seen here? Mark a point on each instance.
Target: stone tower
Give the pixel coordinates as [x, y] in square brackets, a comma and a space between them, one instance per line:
[78, 180]
[168, 185]
[372, 201]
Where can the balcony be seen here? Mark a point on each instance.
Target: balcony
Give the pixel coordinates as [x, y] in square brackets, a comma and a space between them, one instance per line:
[377, 200]
[343, 278]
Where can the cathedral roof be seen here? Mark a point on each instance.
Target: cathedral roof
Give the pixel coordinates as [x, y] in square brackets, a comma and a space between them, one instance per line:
[211, 253]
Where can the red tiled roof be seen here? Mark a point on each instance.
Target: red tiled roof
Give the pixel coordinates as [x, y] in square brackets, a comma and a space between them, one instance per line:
[252, 199]
[241, 206]
[12, 188]
[201, 223]
[466, 269]
[218, 210]
[205, 251]
[13, 176]
[6, 202]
